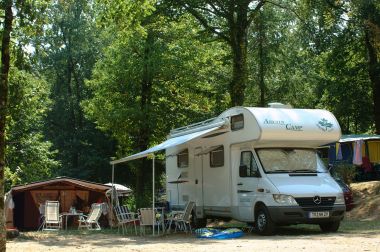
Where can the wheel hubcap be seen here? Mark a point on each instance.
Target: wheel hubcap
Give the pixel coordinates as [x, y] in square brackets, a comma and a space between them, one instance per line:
[261, 221]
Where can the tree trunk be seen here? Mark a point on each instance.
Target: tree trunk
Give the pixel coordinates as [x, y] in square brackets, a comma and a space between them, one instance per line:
[239, 74]
[72, 122]
[5, 64]
[144, 127]
[374, 75]
[261, 39]
[239, 45]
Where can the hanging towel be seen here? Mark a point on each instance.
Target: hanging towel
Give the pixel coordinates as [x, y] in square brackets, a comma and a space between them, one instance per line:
[357, 160]
[338, 150]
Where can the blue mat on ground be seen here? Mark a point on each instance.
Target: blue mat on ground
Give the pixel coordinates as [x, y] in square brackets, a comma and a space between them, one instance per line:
[213, 233]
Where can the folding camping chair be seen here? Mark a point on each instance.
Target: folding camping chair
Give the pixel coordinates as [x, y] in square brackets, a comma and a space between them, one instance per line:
[181, 219]
[91, 221]
[124, 217]
[52, 220]
[146, 219]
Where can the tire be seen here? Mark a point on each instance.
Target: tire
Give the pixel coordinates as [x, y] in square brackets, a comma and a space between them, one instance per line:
[330, 226]
[263, 222]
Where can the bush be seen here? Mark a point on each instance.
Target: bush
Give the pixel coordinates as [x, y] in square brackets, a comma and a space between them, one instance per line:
[346, 172]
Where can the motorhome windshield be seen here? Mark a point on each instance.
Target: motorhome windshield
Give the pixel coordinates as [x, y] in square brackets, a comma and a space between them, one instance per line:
[290, 160]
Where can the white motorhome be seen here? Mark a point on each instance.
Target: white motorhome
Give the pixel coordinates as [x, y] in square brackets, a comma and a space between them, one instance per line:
[256, 165]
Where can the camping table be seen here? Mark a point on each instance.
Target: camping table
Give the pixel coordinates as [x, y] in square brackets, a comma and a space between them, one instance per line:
[67, 215]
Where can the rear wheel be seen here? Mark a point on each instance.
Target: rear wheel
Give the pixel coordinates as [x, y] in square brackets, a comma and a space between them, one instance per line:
[263, 222]
[330, 226]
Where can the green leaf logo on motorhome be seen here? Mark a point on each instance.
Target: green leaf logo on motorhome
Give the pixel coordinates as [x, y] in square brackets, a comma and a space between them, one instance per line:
[325, 125]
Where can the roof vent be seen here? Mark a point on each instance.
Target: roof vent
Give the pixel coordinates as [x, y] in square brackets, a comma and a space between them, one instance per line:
[279, 105]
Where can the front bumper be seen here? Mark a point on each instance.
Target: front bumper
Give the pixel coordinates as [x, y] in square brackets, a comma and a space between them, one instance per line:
[284, 215]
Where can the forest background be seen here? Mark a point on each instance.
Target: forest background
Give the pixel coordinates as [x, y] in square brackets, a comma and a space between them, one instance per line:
[86, 80]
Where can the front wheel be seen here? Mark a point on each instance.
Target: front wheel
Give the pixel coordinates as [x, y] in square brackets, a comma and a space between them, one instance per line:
[264, 223]
[330, 226]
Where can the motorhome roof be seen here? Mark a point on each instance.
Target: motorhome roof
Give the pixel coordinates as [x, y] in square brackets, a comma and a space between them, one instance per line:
[288, 126]
[269, 127]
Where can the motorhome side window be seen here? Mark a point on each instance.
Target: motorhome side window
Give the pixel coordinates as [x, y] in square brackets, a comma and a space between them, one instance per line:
[237, 122]
[217, 157]
[247, 160]
[183, 159]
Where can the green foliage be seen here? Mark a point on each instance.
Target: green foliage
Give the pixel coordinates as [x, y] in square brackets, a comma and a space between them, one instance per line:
[346, 172]
[186, 78]
[71, 48]
[29, 156]
[313, 56]
[123, 15]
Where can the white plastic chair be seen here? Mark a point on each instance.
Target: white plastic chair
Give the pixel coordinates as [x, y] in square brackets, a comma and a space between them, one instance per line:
[91, 221]
[52, 219]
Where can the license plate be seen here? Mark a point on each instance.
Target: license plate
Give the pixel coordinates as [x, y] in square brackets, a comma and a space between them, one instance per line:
[319, 214]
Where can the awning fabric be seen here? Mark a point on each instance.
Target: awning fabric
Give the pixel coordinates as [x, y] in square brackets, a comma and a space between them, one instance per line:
[167, 144]
[352, 138]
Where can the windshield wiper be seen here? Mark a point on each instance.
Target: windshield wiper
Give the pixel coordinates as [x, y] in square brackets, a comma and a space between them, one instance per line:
[306, 170]
[279, 171]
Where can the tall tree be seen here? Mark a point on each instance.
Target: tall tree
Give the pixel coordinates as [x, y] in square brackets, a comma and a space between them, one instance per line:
[5, 65]
[369, 18]
[152, 80]
[345, 36]
[228, 21]
[29, 157]
[71, 47]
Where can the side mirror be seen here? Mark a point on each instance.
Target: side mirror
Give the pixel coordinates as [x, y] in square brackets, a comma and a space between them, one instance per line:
[243, 171]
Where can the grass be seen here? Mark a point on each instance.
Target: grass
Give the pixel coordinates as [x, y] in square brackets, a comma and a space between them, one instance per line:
[353, 226]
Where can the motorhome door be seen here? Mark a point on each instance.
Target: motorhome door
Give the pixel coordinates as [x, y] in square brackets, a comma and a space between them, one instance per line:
[247, 182]
[198, 180]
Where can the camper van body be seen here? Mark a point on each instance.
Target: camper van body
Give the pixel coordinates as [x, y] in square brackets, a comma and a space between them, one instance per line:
[234, 170]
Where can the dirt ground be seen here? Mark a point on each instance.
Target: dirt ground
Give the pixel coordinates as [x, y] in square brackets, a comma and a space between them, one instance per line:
[360, 231]
[367, 200]
[288, 239]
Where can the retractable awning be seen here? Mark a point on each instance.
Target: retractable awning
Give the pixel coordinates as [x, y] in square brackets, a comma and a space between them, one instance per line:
[174, 141]
[167, 144]
[207, 151]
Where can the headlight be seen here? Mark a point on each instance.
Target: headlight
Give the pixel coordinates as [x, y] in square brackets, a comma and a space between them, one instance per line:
[285, 199]
[339, 199]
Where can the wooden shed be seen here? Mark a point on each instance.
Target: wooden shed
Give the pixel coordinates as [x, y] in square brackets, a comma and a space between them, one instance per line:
[70, 192]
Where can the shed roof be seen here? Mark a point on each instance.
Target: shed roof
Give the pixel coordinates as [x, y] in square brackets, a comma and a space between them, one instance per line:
[61, 180]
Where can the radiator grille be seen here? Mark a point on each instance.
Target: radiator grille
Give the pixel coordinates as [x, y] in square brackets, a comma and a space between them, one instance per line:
[308, 204]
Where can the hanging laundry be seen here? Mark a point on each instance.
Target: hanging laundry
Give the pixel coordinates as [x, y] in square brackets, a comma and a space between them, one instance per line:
[338, 150]
[357, 160]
